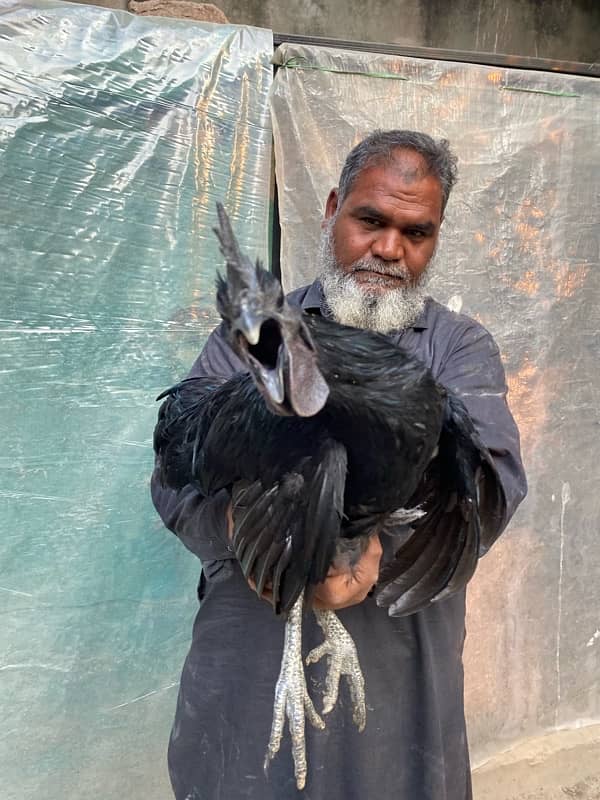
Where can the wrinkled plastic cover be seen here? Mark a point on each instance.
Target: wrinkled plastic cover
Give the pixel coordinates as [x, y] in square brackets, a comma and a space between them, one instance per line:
[518, 251]
[117, 135]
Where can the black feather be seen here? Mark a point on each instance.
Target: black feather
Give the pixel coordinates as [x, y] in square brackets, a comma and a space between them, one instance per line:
[388, 437]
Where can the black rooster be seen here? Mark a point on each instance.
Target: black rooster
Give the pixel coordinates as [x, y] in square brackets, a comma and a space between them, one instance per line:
[334, 433]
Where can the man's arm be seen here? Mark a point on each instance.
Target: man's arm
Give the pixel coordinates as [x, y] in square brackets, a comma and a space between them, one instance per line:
[200, 522]
[473, 371]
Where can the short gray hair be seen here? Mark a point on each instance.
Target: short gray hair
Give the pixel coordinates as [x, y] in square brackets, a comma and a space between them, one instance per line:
[379, 148]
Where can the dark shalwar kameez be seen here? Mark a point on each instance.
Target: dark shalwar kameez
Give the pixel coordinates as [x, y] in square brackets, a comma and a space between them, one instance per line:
[414, 746]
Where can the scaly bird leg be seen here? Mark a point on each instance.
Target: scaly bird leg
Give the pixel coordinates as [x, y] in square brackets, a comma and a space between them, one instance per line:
[292, 699]
[343, 660]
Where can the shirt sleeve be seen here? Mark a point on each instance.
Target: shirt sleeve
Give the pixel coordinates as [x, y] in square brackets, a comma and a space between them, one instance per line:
[199, 521]
[473, 370]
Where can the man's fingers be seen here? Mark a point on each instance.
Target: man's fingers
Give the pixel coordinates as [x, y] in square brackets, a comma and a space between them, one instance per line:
[349, 587]
[375, 548]
[267, 591]
[229, 515]
[339, 592]
[342, 587]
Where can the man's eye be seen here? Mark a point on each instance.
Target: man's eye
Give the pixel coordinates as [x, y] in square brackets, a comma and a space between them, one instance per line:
[416, 234]
[371, 222]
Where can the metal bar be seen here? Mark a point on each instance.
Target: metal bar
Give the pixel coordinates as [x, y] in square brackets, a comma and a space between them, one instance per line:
[275, 226]
[465, 56]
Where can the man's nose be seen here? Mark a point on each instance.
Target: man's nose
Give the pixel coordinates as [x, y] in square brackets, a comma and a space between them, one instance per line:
[388, 245]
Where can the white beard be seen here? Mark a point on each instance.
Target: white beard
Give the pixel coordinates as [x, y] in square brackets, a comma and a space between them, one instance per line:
[353, 304]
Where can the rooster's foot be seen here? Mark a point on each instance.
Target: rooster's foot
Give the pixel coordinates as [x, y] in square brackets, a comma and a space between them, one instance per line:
[343, 660]
[292, 699]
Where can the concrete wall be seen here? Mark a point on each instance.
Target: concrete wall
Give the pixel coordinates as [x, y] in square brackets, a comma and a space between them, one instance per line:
[558, 29]
[555, 29]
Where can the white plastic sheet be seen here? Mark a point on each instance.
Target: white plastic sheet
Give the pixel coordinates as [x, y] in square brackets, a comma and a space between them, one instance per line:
[520, 252]
[117, 135]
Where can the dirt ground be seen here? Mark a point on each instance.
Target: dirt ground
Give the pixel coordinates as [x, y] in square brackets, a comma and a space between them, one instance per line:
[562, 765]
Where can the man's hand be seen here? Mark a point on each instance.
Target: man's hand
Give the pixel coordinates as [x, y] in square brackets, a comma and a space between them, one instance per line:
[341, 588]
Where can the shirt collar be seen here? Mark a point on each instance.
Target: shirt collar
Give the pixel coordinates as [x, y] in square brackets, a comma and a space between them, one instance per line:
[313, 299]
[314, 302]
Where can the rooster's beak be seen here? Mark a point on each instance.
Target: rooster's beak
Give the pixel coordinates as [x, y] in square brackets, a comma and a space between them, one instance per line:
[265, 358]
[248, 324]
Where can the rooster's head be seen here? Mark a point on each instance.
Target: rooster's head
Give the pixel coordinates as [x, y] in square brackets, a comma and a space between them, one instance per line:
[268, 334]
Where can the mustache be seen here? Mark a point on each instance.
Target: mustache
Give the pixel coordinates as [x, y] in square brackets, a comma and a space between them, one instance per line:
[392, 269]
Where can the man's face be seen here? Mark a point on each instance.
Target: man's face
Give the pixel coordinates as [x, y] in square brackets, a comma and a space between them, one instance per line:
[392, 216]
[378, 244]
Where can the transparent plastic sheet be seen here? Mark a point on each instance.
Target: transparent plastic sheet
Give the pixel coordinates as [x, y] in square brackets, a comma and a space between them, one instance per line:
[519, 252]
[117, 135]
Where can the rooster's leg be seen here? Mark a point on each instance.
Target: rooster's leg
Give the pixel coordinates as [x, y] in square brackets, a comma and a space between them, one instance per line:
[291, 698]
[343, 660]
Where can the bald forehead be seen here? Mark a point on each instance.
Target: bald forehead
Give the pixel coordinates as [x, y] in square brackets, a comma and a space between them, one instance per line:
[407, 165]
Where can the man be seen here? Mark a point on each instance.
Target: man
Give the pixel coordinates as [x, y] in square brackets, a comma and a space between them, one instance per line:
[379, 237]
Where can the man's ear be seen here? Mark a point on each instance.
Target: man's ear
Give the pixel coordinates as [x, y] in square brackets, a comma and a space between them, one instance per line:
[330, 206]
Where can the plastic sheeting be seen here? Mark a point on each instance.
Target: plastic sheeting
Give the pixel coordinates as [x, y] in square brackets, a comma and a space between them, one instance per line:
[518, 251]
[117, 135]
